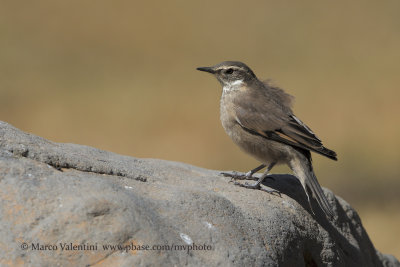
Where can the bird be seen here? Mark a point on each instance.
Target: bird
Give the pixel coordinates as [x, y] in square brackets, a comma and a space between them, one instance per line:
[258, 117]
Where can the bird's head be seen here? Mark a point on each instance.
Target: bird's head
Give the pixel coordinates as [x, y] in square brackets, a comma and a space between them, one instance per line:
[230, 73]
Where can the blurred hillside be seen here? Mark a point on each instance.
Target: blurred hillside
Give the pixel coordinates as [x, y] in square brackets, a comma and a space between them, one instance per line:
[120, 76]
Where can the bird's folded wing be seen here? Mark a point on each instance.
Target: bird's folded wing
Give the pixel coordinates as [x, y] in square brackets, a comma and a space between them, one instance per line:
[272, 122]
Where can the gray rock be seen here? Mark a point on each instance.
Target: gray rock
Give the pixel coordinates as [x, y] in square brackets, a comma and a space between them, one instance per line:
[67, 202]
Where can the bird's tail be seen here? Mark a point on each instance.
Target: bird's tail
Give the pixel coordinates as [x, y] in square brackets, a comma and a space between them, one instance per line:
[304, 171]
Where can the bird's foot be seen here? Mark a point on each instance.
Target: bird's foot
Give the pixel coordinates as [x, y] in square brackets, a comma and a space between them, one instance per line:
[257, 186]
[244, 176]
[239, 175]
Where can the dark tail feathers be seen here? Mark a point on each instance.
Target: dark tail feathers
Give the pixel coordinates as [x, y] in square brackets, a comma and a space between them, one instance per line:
[317, 192]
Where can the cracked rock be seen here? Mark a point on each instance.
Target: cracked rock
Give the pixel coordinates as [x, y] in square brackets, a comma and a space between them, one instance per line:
[73, 205]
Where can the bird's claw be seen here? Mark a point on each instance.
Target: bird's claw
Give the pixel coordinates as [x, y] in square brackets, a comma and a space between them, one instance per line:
[239, 176]
[257, 186]
[243, 176]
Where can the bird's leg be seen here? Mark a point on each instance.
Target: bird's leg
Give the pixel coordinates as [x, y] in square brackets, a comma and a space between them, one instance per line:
[257, 185]
[249, 174]
[253, 171]
[240, 176]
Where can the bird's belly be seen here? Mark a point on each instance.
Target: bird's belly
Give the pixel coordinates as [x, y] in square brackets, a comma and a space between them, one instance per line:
[266, 151]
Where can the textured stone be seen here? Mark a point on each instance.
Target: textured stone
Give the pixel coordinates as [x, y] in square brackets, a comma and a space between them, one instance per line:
[61, 194]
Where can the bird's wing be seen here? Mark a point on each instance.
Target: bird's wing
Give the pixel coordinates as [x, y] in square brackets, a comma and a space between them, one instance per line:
[262, 116]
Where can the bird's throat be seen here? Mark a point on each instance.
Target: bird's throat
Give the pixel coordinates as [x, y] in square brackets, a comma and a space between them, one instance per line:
[232, 86]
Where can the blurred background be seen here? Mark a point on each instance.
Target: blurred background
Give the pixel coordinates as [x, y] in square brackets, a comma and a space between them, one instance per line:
[120, 76]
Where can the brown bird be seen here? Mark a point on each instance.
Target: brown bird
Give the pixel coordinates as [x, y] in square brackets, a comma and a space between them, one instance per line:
[259, 119]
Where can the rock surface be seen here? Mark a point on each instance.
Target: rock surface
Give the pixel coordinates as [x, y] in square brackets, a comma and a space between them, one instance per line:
[67, 204]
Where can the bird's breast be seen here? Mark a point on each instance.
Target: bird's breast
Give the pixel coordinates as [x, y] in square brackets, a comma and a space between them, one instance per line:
[227, 113]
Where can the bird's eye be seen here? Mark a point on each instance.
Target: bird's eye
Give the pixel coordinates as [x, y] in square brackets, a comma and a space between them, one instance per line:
[229, 71]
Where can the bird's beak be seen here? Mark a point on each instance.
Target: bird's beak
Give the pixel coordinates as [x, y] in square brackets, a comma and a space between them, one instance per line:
[206, 69]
